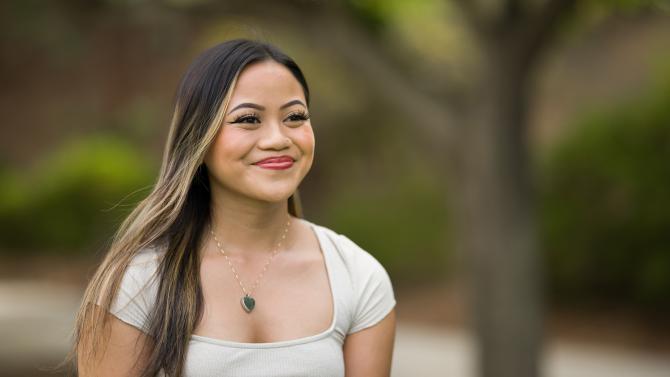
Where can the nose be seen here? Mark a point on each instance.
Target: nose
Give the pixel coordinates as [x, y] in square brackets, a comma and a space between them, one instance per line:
[274, 137]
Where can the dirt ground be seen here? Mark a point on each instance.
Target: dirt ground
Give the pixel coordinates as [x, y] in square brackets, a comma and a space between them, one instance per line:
[607, 325]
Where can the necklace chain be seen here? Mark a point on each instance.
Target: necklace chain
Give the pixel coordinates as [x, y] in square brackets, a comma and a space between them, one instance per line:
[265, 267]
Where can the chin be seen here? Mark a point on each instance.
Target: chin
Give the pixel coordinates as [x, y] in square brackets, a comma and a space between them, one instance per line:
[274, 197]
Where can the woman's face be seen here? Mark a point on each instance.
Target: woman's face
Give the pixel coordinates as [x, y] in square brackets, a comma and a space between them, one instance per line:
[266, 117]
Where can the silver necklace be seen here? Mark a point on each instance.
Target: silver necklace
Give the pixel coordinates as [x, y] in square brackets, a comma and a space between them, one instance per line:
[247, 301]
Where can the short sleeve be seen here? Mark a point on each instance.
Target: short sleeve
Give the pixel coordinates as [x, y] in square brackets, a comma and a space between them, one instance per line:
[137, 292]
[372, 288]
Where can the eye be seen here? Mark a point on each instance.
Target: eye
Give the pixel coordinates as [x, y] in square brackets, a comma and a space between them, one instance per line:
[247, 118]
[297, 117]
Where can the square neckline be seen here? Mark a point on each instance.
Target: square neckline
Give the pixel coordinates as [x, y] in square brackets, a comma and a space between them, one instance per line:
[295, 341]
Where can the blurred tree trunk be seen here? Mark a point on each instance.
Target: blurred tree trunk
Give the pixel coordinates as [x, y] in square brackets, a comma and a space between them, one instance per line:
[497, 204]
[497, 222]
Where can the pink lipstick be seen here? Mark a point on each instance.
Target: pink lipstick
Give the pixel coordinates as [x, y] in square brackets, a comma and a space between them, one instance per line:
[276, 163]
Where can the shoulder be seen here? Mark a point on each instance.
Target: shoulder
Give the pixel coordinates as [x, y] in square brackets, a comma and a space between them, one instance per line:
[356, 258]
[143, 267]
[371, 289]
[137, 291]
[147, 257]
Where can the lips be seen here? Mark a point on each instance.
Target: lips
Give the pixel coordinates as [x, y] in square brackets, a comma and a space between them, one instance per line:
[277, 162]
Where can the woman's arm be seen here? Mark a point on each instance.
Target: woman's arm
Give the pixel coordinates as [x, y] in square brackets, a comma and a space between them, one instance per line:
[124, 352]
[369, 352]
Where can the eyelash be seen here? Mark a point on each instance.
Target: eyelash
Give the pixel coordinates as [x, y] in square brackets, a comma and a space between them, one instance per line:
[243, 117]
[302, 116]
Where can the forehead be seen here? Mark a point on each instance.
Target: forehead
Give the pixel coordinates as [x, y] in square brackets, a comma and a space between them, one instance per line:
[266, 81]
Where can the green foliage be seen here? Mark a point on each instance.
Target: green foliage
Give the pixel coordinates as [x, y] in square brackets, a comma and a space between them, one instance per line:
[629, 4]
[593, 12]
[606, 206]
[67, 202]
[372, 13]
[403, 222]
[377, 14]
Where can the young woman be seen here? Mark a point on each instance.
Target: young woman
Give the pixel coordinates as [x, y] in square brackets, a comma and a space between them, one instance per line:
[215, 273]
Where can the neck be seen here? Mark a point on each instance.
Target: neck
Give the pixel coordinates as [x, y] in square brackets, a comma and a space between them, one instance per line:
[245, 226]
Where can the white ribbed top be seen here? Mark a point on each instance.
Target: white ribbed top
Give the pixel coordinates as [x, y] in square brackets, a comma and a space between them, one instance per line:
[362, 296]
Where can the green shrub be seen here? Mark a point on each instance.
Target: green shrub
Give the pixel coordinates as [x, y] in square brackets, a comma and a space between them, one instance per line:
[403, 222]
[606, 207]
[69, 200]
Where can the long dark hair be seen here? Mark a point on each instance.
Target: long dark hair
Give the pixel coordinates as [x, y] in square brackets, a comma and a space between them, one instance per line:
[175, 213]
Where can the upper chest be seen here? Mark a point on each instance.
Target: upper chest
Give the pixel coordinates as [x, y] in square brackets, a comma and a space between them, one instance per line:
[293, 298]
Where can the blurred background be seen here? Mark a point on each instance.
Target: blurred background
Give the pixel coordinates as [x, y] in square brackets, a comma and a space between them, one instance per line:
[507, 161]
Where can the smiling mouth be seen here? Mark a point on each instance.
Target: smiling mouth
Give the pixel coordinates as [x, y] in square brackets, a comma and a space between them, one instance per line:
[276, 162]
[275, 165]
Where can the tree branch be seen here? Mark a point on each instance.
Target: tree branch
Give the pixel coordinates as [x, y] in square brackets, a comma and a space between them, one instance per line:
[368, 59]
[513, 11]
[541, 27]
[470, 10]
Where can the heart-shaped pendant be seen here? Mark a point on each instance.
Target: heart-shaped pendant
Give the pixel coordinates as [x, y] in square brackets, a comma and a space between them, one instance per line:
[248, 303]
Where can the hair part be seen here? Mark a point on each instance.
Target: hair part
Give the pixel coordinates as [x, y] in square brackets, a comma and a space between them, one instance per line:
[174, 215]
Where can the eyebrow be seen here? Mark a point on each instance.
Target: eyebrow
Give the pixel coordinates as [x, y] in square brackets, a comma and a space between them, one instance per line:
[259, 107]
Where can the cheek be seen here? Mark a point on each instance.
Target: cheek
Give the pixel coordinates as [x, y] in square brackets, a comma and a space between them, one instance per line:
[230, 144]
[304, 138]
